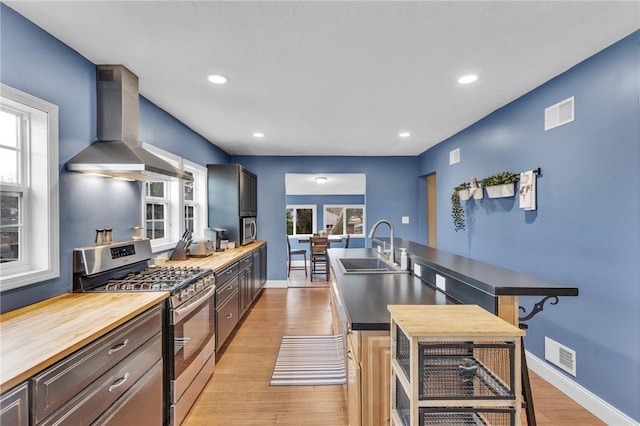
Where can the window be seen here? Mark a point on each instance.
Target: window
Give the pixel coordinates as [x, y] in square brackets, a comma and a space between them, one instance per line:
[171, 207]
[29, 216]
[301, 219]
[195, 198]
[343, 220]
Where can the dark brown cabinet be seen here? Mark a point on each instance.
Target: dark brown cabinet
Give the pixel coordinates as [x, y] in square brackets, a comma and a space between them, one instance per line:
[233, 194]
[14, 406]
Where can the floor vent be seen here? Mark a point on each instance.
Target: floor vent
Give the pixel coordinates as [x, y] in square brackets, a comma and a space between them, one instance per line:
[560, 355]
[561, 113]
[454, 156]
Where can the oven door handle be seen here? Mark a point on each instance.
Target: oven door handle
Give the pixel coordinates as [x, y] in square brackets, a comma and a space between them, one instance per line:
[182, 312]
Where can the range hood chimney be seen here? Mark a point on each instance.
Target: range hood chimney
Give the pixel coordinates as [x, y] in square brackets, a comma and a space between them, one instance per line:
[117, 152]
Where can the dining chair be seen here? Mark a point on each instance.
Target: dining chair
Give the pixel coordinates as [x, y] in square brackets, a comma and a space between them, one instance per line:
[318, 253]
[295, 252]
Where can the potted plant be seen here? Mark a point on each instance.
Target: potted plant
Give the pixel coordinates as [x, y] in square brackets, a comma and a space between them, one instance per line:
[500, 185]
[457, 212]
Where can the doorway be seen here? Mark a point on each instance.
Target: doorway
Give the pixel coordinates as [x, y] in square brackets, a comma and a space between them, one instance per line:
[431, 211]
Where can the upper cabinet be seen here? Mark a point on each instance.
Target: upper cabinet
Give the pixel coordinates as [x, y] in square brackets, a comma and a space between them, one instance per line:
[248, 193]
[233, 194]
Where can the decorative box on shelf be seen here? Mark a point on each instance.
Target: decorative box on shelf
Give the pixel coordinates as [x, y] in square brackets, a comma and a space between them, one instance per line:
[453, 364]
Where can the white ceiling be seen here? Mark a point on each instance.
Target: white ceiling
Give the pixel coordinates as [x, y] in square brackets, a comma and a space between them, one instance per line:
[335, 77]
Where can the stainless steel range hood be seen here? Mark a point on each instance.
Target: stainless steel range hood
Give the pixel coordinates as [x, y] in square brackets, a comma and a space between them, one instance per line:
[117, 152]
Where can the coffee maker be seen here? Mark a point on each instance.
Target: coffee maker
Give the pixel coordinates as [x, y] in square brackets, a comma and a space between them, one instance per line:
[217, 236]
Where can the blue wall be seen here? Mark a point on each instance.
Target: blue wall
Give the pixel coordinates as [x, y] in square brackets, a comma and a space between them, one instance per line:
[36, 63]
[586, 229]
[584, 233]
[391, 192]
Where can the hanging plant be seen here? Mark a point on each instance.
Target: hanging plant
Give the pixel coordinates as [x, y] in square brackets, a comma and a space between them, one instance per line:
[457, 212]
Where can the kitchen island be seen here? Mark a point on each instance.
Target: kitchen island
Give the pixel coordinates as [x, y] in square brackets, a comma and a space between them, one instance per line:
[359, 310]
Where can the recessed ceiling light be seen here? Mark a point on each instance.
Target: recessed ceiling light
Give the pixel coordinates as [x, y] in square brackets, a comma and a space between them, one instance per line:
[466, 79]
[321, 179]
[217, 78]
[404, 134]
[258, 135]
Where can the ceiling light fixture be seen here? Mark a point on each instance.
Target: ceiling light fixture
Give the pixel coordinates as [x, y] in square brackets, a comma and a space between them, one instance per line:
[217, 78]
[404, 134]
[258, 135]
[467, 79]
[321, 179]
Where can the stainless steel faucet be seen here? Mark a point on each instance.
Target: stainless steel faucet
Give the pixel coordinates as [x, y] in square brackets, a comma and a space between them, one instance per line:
[392, 256]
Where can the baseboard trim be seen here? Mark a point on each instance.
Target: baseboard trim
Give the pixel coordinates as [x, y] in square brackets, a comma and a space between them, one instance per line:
[591, 402]
[276, 284]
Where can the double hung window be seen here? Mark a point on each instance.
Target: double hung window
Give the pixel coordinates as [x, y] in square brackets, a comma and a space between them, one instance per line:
[29, 224]
[171, 207]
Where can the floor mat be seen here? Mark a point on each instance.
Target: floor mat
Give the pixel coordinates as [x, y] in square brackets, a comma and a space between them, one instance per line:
[311, 360]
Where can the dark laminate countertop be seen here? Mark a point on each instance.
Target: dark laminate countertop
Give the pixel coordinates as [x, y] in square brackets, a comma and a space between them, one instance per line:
[483, 276]
[366, 296]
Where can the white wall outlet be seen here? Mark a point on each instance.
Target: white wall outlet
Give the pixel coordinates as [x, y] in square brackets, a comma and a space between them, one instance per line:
[441, 282]
[405, 219]
[417, 270]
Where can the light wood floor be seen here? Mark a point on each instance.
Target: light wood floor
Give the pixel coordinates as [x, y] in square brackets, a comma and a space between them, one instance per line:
[239, 393]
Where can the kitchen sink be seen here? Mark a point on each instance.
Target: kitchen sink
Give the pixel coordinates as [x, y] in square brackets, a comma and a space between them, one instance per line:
[368, 265]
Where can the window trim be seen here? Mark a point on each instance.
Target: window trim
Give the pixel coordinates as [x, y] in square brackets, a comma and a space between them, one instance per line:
[175, 195]
[345, 207]
[314, 218]
[44, 258]
[200, 194]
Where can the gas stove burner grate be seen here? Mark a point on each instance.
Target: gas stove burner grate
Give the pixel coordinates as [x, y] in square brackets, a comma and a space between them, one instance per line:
[167, 278]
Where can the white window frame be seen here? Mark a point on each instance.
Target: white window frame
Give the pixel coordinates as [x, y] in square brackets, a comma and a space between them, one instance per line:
[39, 183]
[314, 213]
[344, 208]
[201, 209]
[176, 225]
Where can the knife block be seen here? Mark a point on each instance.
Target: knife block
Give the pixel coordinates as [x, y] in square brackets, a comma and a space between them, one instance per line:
[180, 252]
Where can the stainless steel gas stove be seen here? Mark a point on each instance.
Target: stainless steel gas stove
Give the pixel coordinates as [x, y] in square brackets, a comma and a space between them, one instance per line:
[123, 267]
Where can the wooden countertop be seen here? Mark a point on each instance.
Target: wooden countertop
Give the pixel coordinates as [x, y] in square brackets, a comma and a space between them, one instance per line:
[451, 321]
[37, 336]
[218, 260]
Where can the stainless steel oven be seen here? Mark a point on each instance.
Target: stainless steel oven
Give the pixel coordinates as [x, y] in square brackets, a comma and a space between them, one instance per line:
[190, 337]
[192, 332]
[248, 230]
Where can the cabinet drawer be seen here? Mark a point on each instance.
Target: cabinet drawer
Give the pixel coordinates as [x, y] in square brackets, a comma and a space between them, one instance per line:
[226, 274]
[141, 405]
[86, 406]
[245, 262]
[14, 406]
[58, 384]
[226, 319]
[223, 293]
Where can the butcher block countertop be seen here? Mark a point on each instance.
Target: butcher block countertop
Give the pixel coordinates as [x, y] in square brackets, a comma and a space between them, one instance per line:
[218, 260]
[451, 321]
[39, 335]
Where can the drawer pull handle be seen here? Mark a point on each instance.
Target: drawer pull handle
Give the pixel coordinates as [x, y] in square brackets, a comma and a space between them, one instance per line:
[229, 316]
[119, 382]
[118, 347]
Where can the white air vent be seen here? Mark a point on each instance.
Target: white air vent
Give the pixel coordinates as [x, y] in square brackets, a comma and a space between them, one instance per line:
[560, 355]
[559, 114]
[454, 156]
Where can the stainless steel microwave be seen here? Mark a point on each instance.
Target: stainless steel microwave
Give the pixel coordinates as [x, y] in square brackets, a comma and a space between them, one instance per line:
[248, 230]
